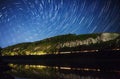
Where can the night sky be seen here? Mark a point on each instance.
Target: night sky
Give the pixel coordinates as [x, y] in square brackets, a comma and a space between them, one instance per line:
[33, 20]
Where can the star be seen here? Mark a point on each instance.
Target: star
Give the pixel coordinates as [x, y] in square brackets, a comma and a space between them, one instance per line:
[34, 20]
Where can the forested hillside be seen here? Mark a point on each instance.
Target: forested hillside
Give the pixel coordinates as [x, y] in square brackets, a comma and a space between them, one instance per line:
[65, 43]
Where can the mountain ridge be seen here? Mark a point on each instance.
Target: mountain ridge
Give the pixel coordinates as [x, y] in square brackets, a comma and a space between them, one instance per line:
[53, 44]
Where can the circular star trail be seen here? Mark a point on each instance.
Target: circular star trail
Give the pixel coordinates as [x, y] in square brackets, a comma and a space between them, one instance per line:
[33, 20]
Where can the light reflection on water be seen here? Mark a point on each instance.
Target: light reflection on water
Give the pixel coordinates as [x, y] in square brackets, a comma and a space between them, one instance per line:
[47, 72]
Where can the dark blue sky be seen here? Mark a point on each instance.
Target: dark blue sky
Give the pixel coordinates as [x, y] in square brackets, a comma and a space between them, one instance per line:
[33, 20]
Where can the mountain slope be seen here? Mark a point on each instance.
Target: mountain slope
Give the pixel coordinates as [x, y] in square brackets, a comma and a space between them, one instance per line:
[67, 42]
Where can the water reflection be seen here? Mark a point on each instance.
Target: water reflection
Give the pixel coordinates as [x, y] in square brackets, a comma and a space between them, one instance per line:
[47, 72]
[3, 71]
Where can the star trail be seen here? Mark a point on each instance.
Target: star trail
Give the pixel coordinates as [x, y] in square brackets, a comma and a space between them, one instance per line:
[33, 20]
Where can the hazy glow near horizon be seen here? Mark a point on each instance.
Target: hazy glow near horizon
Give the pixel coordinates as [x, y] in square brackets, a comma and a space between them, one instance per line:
[32, 20]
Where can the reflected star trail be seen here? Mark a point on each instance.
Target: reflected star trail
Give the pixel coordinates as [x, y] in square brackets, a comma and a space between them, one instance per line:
[33, 20]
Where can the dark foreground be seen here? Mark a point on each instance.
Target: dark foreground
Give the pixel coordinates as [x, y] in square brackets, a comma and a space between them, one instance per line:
[3, 69]
[95, 65]
[104, 60]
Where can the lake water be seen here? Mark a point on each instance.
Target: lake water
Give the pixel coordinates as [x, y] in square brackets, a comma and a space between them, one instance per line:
[20, 71]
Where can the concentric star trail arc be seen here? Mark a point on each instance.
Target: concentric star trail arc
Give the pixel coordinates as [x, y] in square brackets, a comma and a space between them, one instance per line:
[33, 20]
